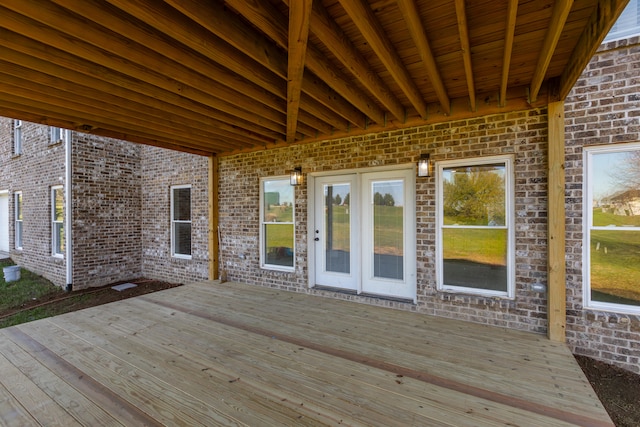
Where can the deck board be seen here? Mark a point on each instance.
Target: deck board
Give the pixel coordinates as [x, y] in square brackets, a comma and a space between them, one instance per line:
[231, 354]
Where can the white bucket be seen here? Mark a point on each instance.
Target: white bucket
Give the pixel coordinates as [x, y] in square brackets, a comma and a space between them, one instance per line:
[11, 273]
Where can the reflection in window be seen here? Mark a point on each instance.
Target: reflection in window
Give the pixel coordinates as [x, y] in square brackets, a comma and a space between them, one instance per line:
[388, 229]
[18, 217]
[181, 221]
[474, 225]
[613, 235]
[57, 219]
[337, 225]
[277, 223]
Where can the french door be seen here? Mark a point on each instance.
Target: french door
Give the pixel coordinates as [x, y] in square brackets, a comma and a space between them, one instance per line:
[364, 233]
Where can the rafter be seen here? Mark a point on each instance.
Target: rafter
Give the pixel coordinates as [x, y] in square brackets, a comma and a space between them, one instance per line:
[600, 22]
[561, 9]
[299, 12]
[512, 12]
[364, 18]
[411, 15]
[465, 47]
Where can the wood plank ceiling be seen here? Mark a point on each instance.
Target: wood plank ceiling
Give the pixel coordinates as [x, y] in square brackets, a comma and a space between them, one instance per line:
[216, 77]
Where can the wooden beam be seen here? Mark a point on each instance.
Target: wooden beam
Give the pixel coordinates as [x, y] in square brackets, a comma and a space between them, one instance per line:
[465, 47]
[561, 9]
[364, 18]
[151, 68]
[557, 300]
[65, 71]
[604, 15]
[335, 40]
[218, 20]
[214, 215]
[299, 13]
[411, 15]
[512, 12]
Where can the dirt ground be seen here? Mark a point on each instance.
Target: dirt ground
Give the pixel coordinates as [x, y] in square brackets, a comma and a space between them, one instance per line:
[618, 389]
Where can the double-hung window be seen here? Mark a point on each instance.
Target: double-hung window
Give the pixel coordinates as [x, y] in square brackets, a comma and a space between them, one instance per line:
[475, 226]
[58, 134]
[57, 221]
[17, 137]
[181, 221]
[277, 208]
[612, 228]
[17, 199]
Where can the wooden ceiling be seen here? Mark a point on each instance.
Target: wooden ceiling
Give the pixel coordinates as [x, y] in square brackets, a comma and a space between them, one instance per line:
[216, 77]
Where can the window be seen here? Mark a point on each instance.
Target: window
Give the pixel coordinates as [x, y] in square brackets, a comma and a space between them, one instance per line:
[181, 221]
[58, 135]
[475, 226]
[17, 137]
[612, 228]
[277, 224]
[628, 24]
[57, 221]
[18, 216]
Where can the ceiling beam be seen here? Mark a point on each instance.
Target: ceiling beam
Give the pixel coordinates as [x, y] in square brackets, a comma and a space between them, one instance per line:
[463, 30]
[561, 9]
[512, 13]
[225, 24]
[363, 17]
[152, 67]
[411, 15]
[600, 22]
[61, 65]
[299, 13]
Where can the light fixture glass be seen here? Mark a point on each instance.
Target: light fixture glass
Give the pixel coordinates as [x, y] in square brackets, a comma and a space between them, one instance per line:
[296, 176]
[424, 166]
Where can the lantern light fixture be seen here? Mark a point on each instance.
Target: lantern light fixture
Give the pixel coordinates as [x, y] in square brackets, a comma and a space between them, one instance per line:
[295, 178]
[424, 166]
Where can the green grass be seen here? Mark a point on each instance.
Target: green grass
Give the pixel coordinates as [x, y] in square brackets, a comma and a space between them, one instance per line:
[602, 219]
[30, 287]
[482, 245]
[615, 263]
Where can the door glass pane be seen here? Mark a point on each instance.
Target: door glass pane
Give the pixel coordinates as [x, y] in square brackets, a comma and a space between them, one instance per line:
[337, 226]
[388, 229]
[475, 258]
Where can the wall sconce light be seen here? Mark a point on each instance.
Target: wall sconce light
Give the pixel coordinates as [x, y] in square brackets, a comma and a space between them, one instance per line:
[296, 176]
[424, 166]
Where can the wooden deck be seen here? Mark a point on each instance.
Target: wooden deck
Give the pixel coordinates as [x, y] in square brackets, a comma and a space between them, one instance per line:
[230, 354]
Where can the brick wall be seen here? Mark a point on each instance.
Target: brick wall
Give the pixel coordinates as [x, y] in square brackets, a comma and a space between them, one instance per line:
[107, 206]
[603, 108]
[162, 169]
[34, 172]
[523, 134]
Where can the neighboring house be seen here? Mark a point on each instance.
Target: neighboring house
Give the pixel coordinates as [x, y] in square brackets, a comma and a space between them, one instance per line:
[135, 211]
[468, 242]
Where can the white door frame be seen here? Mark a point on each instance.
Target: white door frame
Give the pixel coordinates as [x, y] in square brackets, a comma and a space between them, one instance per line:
[411, 253]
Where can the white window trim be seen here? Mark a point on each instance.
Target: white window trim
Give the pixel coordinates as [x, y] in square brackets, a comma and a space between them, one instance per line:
[54, 236]
[65, 134]
[587, 221]
[263, 264]
[17, 137]
[15, 216]
[507, 160]
[175, 221]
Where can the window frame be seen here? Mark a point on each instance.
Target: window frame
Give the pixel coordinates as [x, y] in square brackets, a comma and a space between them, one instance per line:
[627, 25]
[55, 237]
[17, 137]
[174, 222]
[508, 162]
[58, 135]
[263, 260]
[18, 212]
[587, 216]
